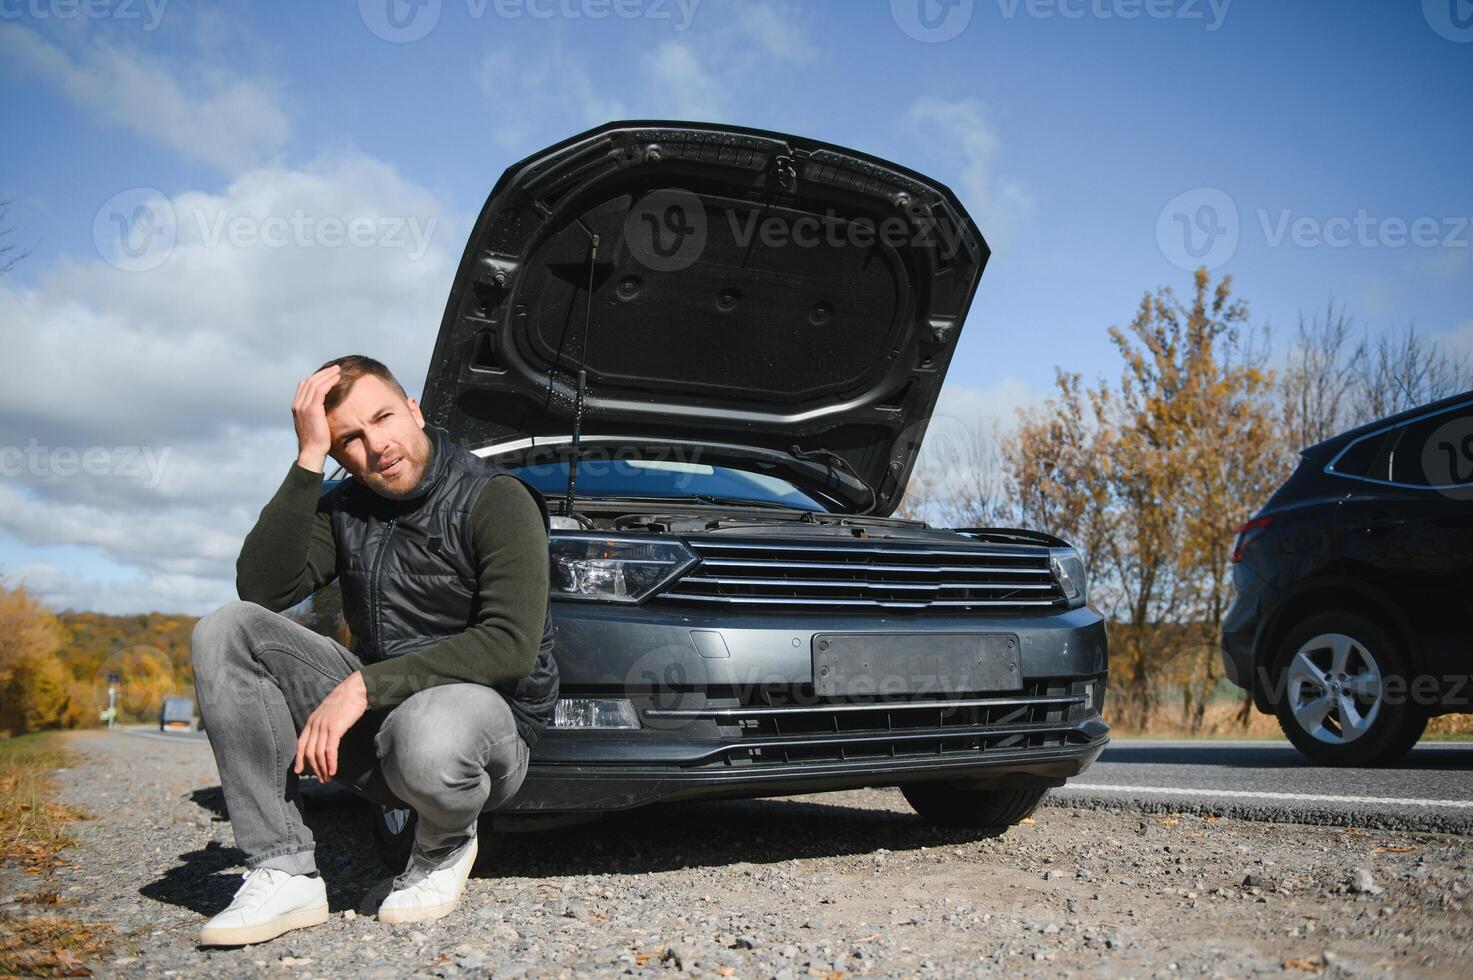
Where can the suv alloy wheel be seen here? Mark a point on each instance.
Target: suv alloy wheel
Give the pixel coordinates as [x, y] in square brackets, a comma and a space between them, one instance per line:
[1345, 691]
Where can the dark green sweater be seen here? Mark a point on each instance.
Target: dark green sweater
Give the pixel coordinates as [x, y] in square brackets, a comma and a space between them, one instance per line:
[290, 554]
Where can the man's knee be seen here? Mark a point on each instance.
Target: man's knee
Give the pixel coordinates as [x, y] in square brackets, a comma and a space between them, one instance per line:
[219, 633]
[446, 734]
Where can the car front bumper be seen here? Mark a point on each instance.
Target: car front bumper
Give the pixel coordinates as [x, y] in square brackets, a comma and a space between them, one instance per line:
[728, 708]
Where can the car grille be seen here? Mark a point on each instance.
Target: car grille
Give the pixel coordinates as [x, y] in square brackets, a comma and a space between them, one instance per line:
[787, 725]
[788, 575]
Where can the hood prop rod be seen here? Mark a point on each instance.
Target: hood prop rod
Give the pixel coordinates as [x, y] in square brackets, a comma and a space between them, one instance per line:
[582, 383]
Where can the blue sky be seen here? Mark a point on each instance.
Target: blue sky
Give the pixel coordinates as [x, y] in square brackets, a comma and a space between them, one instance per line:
[1328, 142]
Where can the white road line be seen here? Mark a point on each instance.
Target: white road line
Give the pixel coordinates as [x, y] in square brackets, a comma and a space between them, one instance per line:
[1244, 794]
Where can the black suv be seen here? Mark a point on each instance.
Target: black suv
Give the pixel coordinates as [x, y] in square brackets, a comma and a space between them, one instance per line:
[1355, 588]
[740, 336]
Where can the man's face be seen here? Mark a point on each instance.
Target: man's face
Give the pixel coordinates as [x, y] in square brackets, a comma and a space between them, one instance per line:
[378, 436]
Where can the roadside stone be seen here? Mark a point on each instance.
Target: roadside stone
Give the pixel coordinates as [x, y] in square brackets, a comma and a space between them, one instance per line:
[1362, 883]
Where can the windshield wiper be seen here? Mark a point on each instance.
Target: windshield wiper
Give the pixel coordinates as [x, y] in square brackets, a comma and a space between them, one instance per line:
[743, 502]
[704, 498]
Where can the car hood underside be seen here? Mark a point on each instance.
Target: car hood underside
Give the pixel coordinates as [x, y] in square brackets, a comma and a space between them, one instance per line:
[745, 288]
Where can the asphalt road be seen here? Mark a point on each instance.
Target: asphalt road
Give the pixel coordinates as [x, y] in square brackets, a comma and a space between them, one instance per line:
[1431, 789]
[154, 733]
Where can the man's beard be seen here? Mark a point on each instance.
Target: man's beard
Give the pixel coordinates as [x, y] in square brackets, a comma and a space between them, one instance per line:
[411, 472]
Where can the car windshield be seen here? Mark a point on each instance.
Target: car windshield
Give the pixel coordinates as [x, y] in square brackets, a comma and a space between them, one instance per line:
[664, 478]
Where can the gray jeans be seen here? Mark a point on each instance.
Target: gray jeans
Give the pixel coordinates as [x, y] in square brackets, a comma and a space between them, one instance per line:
[448, 752]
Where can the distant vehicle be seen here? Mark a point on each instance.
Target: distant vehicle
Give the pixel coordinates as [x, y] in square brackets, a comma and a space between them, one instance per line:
[176, 714]
[1353, 588]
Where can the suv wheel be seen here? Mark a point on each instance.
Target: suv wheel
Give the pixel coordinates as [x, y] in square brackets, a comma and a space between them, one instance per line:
[952, 804]
[1336, 668]
[393, 831]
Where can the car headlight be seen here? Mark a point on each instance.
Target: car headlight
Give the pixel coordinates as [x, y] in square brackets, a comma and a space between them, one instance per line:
[607, 568]
[1068, 570]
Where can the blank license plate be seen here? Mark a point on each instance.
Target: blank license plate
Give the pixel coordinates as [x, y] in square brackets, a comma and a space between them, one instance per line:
[934, 664]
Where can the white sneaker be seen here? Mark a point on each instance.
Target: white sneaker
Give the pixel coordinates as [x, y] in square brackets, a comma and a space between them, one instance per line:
[270, 902]
[434, 895]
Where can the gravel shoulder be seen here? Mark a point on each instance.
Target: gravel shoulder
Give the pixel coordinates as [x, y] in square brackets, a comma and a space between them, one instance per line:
[847, 883]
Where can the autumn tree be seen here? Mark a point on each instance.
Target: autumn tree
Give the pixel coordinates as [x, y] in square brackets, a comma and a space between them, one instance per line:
[1149, 476]
[35, 691]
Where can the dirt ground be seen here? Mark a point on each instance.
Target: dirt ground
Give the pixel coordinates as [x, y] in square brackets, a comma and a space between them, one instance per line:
[838, 884]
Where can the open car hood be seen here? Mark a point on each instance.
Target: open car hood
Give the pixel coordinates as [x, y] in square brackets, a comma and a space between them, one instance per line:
[747, 288]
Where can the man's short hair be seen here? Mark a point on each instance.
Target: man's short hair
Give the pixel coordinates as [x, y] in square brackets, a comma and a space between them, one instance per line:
[355, 366]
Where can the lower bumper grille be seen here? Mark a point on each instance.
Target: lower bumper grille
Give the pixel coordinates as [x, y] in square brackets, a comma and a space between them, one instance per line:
[788, 725]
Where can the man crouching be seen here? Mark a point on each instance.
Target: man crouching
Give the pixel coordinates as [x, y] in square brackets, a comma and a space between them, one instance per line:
[442, 562]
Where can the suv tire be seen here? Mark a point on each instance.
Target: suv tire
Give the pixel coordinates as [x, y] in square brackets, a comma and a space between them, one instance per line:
[951, 804]
[1333, 658]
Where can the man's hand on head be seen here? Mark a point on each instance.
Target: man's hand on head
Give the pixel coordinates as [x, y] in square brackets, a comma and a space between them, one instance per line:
[310, 418]
[317, 746]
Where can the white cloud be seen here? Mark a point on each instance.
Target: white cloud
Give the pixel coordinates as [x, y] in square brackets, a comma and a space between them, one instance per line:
[535, 92]
[989, 410]
[63, 591]
[211, 115]
[1458, 341]
[682, 84]
[773, 27]
[540, 95]
[998, 203]
[195, 362]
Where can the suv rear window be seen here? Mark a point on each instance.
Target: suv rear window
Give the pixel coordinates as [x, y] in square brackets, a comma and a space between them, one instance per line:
[1435, 451]
[1369, 457]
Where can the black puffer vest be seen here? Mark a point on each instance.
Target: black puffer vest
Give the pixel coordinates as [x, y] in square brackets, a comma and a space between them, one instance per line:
[407, 574]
